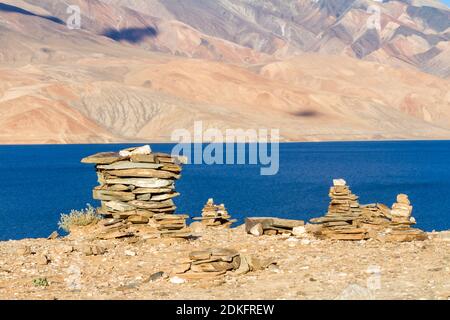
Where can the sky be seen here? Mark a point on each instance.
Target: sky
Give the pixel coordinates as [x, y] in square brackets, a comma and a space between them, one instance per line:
[446, 2]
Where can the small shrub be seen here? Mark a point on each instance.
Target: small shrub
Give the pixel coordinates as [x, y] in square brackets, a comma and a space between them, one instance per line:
[82, 217]
[40, 282]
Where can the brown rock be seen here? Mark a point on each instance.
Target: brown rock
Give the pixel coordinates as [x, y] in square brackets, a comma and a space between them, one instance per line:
[138, 219]
[182, 268]
[212, 266]
[103, 158]
[54, 235]
[257, 230]
[200, 255]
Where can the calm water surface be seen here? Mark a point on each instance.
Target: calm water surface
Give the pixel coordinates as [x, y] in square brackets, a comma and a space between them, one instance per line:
[37, 183]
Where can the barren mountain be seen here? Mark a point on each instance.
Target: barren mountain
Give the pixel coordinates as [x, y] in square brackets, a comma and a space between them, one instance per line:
[137, 70]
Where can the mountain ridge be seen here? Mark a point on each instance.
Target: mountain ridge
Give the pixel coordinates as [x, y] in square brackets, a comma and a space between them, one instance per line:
[153, 74]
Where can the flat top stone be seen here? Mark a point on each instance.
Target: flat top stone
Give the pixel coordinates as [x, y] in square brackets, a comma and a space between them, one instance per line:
[103, 158]
[339, 182]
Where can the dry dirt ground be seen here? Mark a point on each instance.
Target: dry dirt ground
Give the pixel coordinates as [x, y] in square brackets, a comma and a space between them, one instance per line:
[306, 269]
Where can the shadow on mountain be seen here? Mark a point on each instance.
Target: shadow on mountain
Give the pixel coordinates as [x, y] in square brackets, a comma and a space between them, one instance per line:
[132, 35]
[13, 9]
[306, 113]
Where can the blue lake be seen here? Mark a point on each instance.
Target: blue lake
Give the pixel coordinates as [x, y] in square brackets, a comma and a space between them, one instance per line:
[39, 182]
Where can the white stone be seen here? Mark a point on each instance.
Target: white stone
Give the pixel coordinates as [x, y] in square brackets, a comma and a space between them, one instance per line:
[139, 150]
[305, 241]
[177, 280]
[299, 231]
[130, 253]
[257, 230]
[339, 182]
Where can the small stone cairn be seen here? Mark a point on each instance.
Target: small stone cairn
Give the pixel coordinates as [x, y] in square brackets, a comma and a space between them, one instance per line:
[213, 263]
[346, 219]
[215, 215]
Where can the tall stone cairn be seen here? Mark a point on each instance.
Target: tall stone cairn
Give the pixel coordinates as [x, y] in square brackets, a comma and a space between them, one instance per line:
[346, 219]
[137, 186]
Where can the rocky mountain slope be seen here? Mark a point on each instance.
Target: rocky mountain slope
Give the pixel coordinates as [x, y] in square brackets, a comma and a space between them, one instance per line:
[137, 70]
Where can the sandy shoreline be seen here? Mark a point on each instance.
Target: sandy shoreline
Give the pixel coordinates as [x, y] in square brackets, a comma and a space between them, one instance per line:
[305, 268]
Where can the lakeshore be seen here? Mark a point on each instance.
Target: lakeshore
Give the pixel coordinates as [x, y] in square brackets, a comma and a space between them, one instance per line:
[305, 268]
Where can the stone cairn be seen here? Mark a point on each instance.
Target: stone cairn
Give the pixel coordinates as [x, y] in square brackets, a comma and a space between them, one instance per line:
[215, 215]
[259, 226]
[137, 188]
[212, 263]
[346, 219]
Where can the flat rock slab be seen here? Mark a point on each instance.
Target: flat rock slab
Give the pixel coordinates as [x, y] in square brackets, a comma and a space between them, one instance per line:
[129, 165]
[112, 195]
[144, 173]
[270, 223]
[141, 182]
[103, 158]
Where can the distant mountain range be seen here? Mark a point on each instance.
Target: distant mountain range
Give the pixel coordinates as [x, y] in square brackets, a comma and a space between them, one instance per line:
[136, 70]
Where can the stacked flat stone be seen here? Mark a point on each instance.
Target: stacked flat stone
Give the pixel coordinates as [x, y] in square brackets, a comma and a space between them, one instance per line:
[136, 185]
[209, 263]
[346, 219]
[401, 222]
[215, 215]
[341, 220]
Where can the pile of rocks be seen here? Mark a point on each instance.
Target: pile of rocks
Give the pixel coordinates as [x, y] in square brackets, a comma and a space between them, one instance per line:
[137, 187]
[401, 222]
[172, 225]
[346, 219]
[215, 215]
[272, 226]
[216, 262]
[341, 220]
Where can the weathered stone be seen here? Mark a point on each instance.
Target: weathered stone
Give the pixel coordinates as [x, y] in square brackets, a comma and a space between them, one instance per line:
[299, 231]
[143, 158]
[270, 232]
[200, 255]
[165, 196]
[271, 223]
[257, 230]
[151, 205]
[138, 219]
[259, 263]
[152, 190]
[171, 167]
[403, 198]
[141, 182]
[118, 206]
[339, 182]
[143, 150]
[144, 173]
[103, 158]
[212, 266]
[54, 235]
[182, 268]
[144, 197]
[120, 165]
[223, 252]
[114, 235]
[107, 195]
[156, 276]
